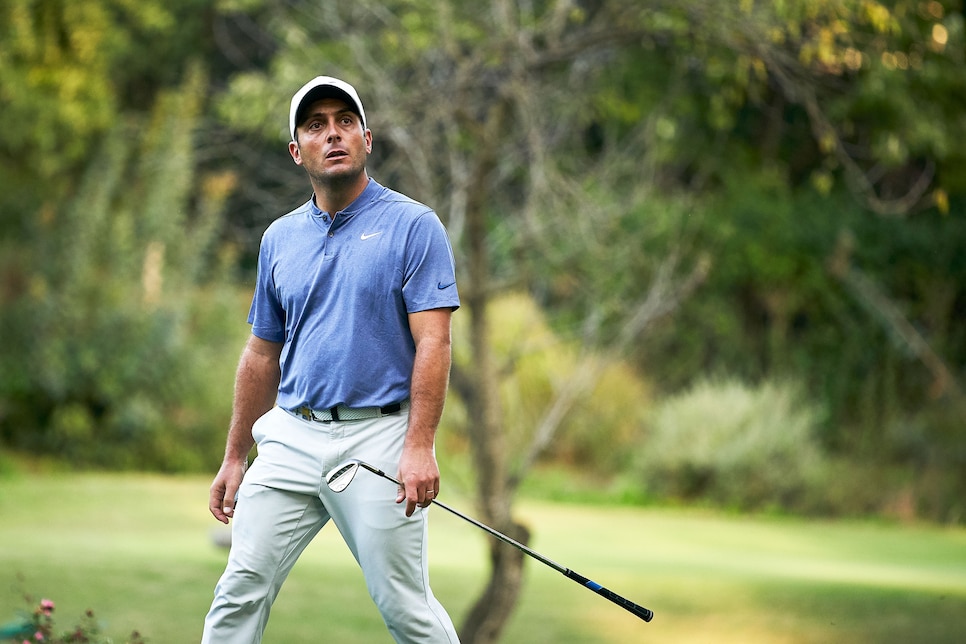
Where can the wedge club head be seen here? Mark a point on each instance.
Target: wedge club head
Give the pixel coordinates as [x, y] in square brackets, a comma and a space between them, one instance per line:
[340, 476]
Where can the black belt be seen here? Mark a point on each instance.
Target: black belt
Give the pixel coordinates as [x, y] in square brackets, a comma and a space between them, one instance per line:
[341, 412]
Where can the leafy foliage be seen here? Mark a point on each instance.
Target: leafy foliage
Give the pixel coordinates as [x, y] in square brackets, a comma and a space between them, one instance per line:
[770, 140]
[67, 70]
[112, 321]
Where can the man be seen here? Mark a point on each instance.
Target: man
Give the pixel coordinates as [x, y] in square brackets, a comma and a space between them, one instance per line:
[349, 357]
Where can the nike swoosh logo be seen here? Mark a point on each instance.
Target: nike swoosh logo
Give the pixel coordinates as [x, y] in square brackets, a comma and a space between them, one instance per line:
[369, 236]
[442, 286]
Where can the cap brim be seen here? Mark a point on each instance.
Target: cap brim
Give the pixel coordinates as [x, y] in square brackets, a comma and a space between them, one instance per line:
[319, 93]
[320, 88]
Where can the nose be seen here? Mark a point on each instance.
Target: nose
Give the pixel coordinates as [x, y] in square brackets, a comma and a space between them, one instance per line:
[332, 133]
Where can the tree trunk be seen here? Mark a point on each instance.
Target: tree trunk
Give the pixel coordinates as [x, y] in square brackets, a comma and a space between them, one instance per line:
[482, 397]
[495, 605]
[493, 608]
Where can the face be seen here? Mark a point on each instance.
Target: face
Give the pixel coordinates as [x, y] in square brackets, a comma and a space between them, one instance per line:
[332, 145]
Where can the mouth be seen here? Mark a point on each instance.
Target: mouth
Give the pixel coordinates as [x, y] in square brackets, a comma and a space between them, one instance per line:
[337, 154]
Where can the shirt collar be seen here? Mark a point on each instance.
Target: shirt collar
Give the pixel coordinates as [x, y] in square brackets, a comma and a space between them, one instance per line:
[364, 199]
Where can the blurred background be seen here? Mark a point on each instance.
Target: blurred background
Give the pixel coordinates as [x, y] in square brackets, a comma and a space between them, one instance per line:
[711, 253]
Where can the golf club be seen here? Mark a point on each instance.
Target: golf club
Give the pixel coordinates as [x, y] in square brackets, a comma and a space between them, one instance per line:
[339, 478]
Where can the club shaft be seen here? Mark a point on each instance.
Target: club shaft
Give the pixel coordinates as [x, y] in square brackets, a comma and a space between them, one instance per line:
[502, 537]
[644, 613]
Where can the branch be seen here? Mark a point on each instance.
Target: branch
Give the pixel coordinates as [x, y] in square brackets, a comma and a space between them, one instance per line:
[799, 89]
[866, 291]
[663, 297]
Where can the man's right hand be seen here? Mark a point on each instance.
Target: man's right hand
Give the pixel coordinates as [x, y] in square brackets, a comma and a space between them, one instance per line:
[221, 498]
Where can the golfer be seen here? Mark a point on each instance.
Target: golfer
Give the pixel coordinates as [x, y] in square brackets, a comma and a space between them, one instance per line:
[349, 357]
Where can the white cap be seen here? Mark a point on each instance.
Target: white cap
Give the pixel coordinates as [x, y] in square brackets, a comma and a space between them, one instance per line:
[323, 87]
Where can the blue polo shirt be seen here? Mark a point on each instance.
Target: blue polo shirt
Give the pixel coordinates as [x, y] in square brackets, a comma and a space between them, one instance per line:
[338, 293]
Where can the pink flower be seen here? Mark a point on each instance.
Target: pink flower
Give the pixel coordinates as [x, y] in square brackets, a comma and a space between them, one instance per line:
[46, 606]
[39, 636]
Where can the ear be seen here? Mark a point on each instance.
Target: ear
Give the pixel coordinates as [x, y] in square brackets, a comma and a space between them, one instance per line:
[293, 149]
[368, 141]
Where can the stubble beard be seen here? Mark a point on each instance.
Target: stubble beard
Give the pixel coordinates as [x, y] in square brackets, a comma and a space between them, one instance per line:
[336, 180]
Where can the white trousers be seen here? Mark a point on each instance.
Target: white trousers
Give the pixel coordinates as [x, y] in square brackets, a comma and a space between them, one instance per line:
[282, 504]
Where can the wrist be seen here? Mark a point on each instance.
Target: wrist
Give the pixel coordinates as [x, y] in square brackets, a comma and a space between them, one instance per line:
[419, 443]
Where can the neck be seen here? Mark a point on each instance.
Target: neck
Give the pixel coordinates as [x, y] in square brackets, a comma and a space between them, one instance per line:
[332, 196]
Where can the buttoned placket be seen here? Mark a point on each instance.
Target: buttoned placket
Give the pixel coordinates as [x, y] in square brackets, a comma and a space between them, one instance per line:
[329, 224]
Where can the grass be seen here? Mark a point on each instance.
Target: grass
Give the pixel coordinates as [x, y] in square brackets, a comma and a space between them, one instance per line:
[137, 549]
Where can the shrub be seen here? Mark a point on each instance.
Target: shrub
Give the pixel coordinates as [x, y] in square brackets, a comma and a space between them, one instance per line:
[732, 444]
[603, 397]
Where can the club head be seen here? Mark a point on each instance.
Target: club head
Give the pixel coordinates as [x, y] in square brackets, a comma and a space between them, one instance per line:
[340, 476]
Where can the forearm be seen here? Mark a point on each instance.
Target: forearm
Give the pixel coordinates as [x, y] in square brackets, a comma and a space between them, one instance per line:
[430, 381]
[256, 389]
[418, 470]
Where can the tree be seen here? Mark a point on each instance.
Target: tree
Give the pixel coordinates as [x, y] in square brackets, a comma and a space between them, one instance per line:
[113, 305]
[108, 332]
[538, 130]
[67, 70]
[475, 104]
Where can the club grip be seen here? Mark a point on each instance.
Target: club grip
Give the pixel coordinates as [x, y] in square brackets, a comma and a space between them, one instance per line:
[644, 613]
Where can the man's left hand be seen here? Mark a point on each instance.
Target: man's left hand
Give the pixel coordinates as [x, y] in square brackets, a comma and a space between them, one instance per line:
[419, 476]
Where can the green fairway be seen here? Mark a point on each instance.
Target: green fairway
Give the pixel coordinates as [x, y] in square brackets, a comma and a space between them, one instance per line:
[138, 551]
